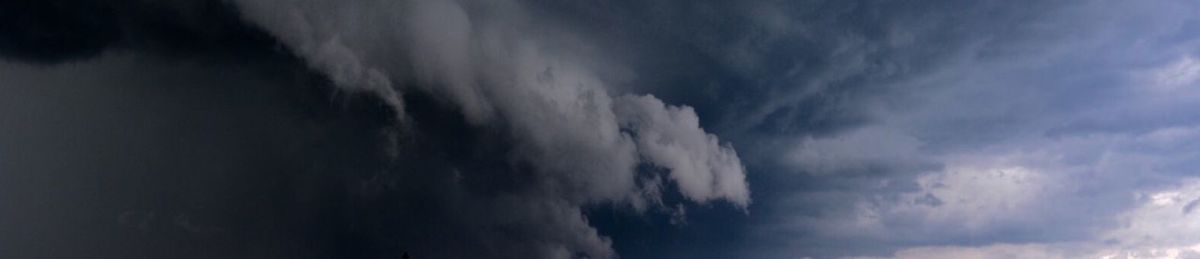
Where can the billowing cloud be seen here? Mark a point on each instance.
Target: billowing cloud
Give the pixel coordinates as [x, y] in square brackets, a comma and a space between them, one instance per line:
[540, 134]
[671, 137]
[569, 129]
[503, 68]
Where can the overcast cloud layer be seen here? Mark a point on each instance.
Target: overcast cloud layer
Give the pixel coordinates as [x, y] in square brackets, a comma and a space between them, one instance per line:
[599, 129]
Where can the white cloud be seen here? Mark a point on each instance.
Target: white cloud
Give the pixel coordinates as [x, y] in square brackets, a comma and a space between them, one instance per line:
[1175, 76]
[976, 197]
[1161, 220]
[671, 137]
[1159, 227]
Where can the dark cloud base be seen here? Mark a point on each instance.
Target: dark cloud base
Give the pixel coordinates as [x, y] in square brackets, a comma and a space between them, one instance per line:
[49, 32]
[191, 162]
[173, 130]
[202, 139]
[271, 162]
[56, 31]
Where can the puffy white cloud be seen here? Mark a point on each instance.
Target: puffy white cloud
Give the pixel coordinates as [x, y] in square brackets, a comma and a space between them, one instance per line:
[671, 137]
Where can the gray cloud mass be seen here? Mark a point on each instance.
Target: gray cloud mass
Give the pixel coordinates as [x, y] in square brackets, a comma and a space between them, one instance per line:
[599, 129]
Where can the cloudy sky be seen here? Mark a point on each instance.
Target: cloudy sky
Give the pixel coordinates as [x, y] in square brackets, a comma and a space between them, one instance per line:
[599, 129]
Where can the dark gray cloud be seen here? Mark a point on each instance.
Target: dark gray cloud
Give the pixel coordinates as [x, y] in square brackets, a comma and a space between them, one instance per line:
[50, 32]
[485, 154]
[129, 156]
[561, 129]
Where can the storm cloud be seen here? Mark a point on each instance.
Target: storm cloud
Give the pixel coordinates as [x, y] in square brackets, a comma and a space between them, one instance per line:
[537, 135]
[598, 129]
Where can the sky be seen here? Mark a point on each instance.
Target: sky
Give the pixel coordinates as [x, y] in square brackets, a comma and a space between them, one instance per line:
[599, 129]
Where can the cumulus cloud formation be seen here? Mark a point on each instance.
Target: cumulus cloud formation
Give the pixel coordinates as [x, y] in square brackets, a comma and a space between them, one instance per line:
[490, 61]
[502, 68]
[670, 136]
